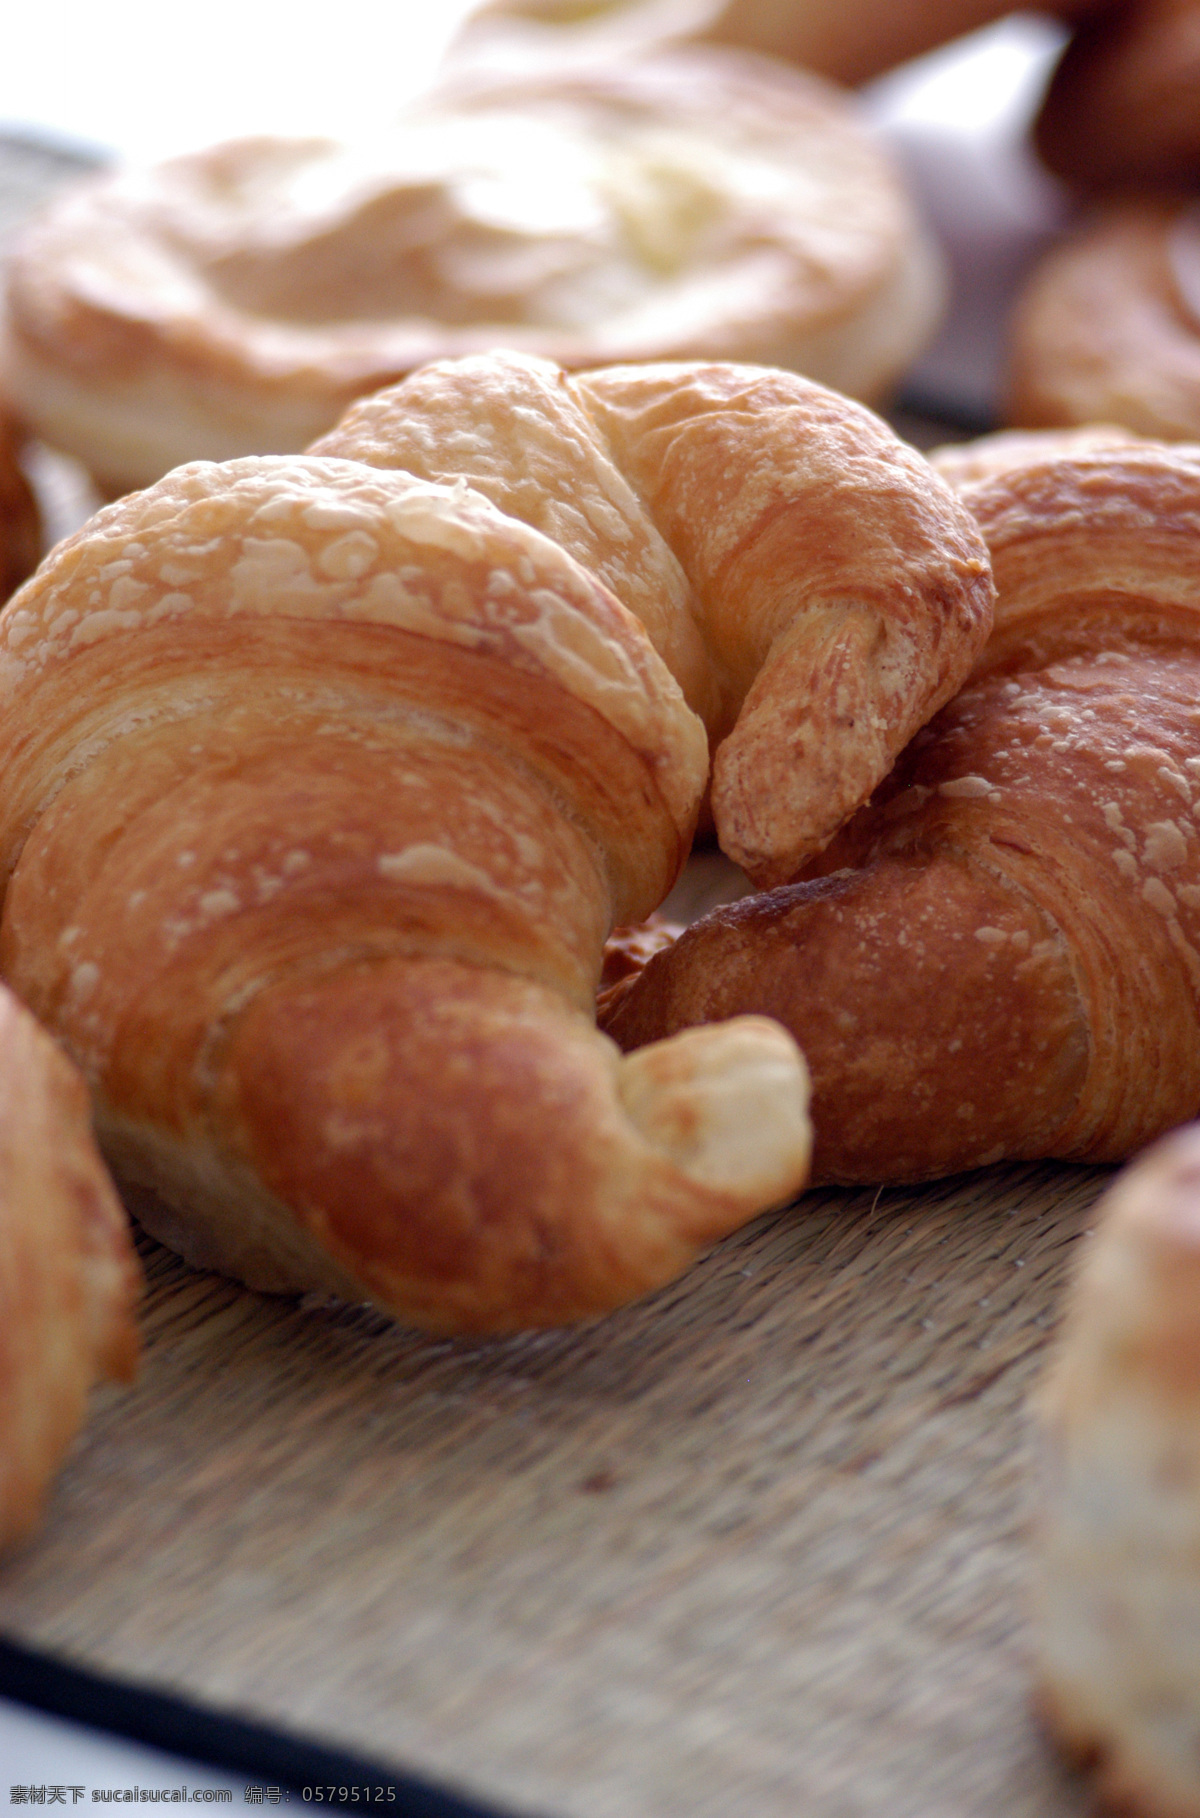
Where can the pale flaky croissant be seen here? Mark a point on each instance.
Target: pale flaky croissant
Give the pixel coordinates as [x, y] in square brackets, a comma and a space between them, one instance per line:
[323, 785]
[69, 1278]
[1001, 954]
[1116, 1603]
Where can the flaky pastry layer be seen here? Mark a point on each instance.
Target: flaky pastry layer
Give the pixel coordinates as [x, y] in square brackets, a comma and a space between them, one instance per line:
[325, 786]
[1000, 954]
[815, 590]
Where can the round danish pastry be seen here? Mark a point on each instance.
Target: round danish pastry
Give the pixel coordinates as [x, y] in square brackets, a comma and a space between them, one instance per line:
[698, 204]
[1108, 328]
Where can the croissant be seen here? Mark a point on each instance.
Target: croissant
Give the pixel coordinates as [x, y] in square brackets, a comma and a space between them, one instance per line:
[1000, 955]
[1107, 327]
[68, 1274]
[1117, 1586]
[323, 785]
[817, 592]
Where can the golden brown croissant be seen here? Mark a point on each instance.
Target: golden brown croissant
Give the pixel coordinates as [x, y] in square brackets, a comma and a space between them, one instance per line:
[816, 591]
[1117, 1547]
[1107, 328]
[323, 786]
[1001, 954]
[68, 1275]
[686, 204]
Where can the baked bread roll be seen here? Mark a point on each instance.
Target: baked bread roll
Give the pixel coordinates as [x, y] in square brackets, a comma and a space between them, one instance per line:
[20, 520]
[323, 787]
[68, 1274]
[1108, 327]
[1123, 106]
[694, 203]
[816, 591]
[1117, 1540]
[847, 40]
[1000, 955]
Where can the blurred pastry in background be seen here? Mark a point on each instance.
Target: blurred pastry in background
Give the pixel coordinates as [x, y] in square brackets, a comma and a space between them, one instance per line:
[1124, 103]
[848, 42]
[1117, 1552]
[1108, 326]
[20, 523]
[699, 203]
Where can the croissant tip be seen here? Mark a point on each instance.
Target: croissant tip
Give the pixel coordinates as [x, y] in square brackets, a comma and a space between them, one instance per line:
[728, 1104]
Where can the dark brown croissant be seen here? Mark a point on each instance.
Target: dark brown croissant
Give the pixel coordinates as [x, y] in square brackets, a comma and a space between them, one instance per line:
[1001, 954]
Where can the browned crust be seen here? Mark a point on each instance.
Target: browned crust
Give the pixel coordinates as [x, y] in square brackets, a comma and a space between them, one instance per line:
[1003, 956]
[325, 786]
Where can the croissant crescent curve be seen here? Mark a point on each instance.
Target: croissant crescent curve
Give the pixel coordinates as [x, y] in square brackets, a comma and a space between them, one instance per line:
[1001, 954]
[815, 590]
[326, 781]
[322, 788]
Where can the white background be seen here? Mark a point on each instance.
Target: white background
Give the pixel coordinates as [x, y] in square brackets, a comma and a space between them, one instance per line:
[152, 76]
